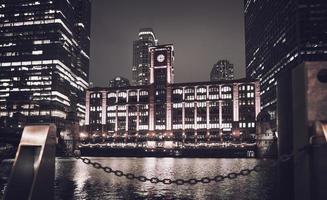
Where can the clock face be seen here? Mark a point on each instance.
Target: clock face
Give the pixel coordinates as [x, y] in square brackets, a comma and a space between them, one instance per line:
[160, 58]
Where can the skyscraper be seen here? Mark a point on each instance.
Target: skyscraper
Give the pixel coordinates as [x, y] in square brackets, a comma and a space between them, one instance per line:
[279, 35]
[44, 59]
[141, 58]
[222, 70]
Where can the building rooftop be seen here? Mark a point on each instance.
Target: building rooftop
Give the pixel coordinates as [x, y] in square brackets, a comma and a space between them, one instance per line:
[177, 84]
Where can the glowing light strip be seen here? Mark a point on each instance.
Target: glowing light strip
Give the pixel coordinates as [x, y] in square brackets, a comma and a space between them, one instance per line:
[147, 33]
[84, 54]
[56, 93]
[37, 22]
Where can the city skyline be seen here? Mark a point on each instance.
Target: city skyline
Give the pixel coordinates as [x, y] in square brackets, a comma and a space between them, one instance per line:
[44, 59]
[165, 99]
[215, 27]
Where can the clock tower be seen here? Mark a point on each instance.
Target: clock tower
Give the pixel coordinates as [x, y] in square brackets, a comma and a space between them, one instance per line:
[162, 57]
[161, 78]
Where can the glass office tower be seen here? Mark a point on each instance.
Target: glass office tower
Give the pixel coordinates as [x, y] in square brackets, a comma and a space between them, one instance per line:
[44, 59]
[281, 34]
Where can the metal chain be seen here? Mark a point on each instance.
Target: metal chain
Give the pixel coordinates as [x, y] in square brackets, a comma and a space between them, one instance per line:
[287, 157]
[191, 181]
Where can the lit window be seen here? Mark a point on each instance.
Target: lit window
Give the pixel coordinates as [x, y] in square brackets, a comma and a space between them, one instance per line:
[38, 52]
[110, 95]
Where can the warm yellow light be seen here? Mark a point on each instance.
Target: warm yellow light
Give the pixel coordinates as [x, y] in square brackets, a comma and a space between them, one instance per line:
[83, 135]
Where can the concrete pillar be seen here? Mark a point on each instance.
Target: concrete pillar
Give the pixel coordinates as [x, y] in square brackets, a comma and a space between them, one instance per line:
[310, 178]
[301, 106]
[220, 119]
[87, 107]
[235, 103]
[104, 111]
[33, 172]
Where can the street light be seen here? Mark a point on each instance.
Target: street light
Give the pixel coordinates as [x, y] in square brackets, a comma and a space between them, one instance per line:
[83, 135]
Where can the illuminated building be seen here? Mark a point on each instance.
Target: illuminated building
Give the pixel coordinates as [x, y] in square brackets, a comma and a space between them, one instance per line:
[118, 81]
[222, 70]
[141, 58]
[44, 59]
[280, 35]
[176, 113]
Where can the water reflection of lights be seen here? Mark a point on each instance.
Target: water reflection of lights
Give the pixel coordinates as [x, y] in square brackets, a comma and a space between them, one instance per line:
[80, 177]
[99, 185]
[158, 167]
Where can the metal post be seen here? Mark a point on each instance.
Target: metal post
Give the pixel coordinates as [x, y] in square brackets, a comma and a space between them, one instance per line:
[33, 171]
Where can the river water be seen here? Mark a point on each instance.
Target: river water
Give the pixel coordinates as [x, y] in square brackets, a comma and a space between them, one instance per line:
[76, 180]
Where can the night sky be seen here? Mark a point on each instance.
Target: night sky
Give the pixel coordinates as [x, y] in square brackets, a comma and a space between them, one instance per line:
[202, 31]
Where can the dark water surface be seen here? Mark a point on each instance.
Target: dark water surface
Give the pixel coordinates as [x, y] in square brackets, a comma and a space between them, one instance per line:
[76, 180]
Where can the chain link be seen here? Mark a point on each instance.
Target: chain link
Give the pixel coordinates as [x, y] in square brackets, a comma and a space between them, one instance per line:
[191, 181]
[287, 157]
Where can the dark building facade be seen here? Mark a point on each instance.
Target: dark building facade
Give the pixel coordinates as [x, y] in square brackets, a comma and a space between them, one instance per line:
[141, 58]
[222, 70]
[280, 34]
[44, 59]
[199, 113]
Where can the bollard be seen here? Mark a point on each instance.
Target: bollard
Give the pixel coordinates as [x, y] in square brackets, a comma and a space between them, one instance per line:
[32, 175]
[302, 101]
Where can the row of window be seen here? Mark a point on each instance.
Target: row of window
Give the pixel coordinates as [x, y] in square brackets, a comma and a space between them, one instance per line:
[225, 90]
[189, 122]
[119, 94]
[202, 90]
[247, 125]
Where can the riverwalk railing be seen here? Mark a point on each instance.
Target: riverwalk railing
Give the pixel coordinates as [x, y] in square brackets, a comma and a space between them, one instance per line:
[193, 181]
[32, 175]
